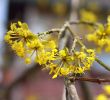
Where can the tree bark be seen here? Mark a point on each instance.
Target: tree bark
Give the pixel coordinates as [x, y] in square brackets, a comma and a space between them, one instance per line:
[69, 92]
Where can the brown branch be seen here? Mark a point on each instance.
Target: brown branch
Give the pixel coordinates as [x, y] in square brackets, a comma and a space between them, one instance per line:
[95, 80]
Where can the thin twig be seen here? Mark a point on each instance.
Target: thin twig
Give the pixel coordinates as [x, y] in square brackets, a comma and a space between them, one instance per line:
[49, 32]
[69, 23]
[83, 22]
[103, 64]
[94, 80]
[80, 42]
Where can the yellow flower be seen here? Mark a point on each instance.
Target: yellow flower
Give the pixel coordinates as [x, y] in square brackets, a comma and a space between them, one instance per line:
[91, 37]
[44, 57]
[87, 16]
[80, 55]
[18, 48]
[52, 44]
[55, 76]
[83, 60]
[91, 53]
[62, 53]
[27, 60]
[57, 71]
[59, 62]
[65, 64]
[7, 38]
[59, 65]
[101, 36]
[65, 71]
[19, 32]
[107, 89]
[105, 95]
[101, 97]
[52, 67]
[107, 28]
[78, 70]
[35, 45]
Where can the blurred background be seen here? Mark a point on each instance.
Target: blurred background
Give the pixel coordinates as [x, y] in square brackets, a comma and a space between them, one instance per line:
[19, 81]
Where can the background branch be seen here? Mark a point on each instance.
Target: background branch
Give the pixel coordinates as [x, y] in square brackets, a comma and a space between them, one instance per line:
[83, 22]
[94, 80]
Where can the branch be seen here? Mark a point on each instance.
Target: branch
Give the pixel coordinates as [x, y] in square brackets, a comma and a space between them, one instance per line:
[83, 22]
[67, 26]
[49, 32]
[103, 64]
[80, 42]
[69, 23]
[94, 80]
[72, 92]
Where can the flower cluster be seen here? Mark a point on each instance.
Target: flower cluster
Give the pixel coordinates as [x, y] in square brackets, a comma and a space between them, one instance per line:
[25, 43]
[105, 95]
[87, 16]
[60, 62]
[71, 63]
[101, 36]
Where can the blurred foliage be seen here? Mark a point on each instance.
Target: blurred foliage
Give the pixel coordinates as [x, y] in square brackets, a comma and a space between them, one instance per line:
[56, 7]
[87, 16]
[106, 94]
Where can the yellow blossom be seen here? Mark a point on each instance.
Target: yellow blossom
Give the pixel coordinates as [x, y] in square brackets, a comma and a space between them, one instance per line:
[19, 32]
[87, 16]
[65, 71]
[101, 36]
[18, 48]
[101, 97]
[62, 53]
[35, 44]
[83, 60]
[78, 70]
[52, 44]
[105, 95]
[27, 60]
[55, 76]
[44, 57]
[57, 70]
[60, 62]
[66, 64]
[107, 89]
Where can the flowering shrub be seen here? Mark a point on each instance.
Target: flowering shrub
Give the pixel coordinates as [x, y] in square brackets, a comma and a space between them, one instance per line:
[101, 36]
[63, 62]
[68, 62]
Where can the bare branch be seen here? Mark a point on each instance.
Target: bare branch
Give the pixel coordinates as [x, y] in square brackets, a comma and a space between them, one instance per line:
[102, 64]
[83, 22]
[94, 80]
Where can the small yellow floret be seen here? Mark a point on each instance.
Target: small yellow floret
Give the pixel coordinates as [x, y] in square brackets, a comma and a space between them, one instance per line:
[101, 97]
[62, 53]
[55, 76]
[19, 49]
[107, 89]
[27, 60]
[64, 71]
